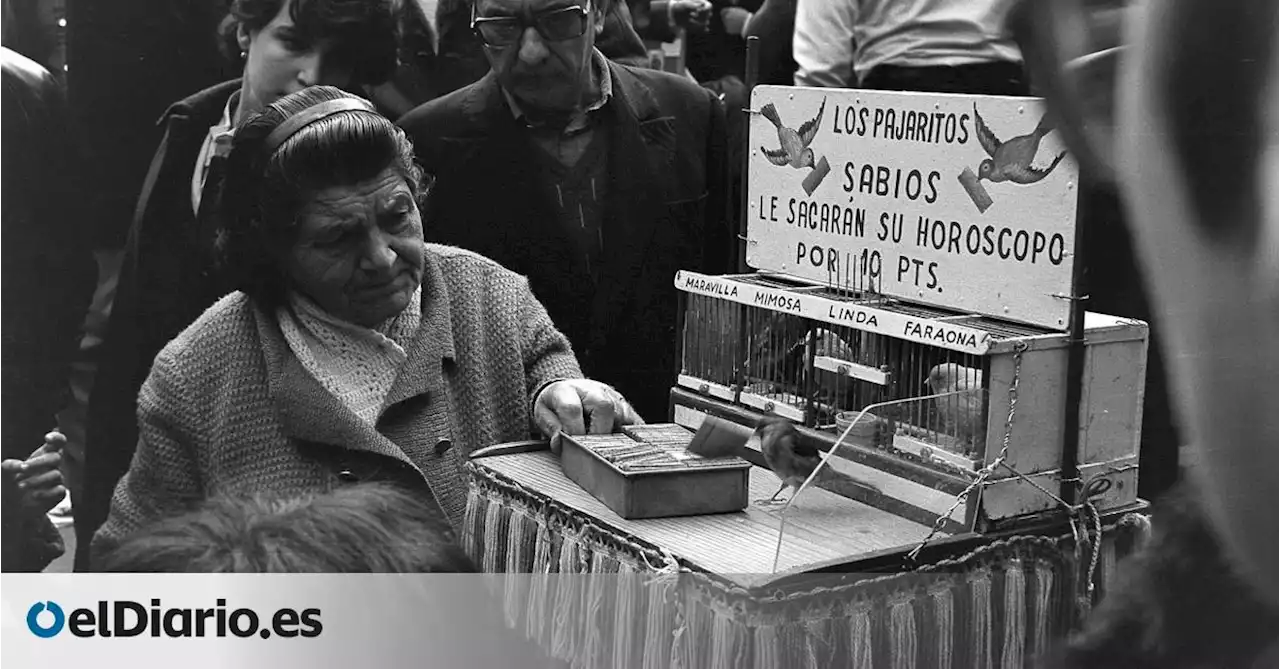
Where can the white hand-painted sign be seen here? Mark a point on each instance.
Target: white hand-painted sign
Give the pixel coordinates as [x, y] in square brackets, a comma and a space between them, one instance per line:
[961, 201]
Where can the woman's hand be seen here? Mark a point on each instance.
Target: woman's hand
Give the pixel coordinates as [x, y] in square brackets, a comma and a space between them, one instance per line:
[577, 406]
[39, 477]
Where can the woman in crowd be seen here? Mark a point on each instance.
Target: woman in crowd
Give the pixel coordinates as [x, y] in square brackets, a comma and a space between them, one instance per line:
[368, 527]
[168, 276]
[352, 350]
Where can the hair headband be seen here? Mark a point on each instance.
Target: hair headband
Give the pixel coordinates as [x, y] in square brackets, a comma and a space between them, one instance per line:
[306, 117]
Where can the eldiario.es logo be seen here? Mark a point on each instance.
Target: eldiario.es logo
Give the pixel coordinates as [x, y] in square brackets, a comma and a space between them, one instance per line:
[124, 618]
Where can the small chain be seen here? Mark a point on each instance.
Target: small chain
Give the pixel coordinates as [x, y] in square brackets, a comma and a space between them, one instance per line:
[1097, 545]
[986, 472]
[1085, 599]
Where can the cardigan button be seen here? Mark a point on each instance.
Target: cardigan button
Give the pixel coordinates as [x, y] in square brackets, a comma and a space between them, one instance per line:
[347, 476]
[443, 446]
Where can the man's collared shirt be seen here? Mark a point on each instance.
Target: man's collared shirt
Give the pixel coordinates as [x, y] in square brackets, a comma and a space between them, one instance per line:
[569, 143]
[838, 42]
[576, 173]
[216, 144]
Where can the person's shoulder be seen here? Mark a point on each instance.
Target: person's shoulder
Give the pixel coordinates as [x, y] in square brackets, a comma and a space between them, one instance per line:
[442, 116]
[664, 85]
[18, 67]
[31, 94]
[479, 289]
[471, 276]
[457, 262]
[680, 98]
[205, 102]
[221, 331]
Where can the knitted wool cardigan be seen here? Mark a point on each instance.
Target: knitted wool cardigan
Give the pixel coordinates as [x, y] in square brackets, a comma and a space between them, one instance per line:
[228, 409]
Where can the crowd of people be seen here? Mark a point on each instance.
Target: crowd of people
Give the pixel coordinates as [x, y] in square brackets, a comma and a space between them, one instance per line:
[398, 236]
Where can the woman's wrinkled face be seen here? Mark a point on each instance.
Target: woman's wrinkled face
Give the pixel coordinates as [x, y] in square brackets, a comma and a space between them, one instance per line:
[358, 252]
[280, 59]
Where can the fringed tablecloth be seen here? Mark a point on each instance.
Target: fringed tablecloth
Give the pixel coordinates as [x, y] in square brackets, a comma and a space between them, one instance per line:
[594, 598]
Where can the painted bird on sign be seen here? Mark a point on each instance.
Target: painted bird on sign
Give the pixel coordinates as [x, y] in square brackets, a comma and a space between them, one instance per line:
[1011, 160]
[794, 146]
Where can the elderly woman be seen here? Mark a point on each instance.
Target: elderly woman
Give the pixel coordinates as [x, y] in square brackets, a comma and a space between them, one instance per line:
[352, 350]
[168, 277]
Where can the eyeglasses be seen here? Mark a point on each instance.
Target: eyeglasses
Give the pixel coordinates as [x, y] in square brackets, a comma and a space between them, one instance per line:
[556, 25]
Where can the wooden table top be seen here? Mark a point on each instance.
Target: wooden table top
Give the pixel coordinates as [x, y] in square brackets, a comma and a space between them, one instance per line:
[821, 526]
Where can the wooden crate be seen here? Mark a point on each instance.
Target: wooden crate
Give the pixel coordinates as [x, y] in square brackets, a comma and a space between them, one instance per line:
[646, 472]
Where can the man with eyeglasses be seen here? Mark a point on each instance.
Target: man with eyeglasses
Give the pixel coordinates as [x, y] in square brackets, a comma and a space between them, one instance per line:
[596, 180]
[461, 53]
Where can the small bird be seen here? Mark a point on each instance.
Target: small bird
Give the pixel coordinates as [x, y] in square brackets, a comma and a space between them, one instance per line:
[782, 353]
[1011, 160]
[826, 342]
[794, 150]
[961, 413]
[792, 460]
[829, 389]
[776, 348]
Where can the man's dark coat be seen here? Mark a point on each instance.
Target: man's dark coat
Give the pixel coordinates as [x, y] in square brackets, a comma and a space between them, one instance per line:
[664, 211]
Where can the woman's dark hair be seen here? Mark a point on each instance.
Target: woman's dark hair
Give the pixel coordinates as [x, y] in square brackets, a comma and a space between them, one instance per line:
[365, 32]
[264, 192]
[363, 528]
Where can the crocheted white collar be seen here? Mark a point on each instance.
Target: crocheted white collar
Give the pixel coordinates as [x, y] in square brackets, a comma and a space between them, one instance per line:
[358, 365]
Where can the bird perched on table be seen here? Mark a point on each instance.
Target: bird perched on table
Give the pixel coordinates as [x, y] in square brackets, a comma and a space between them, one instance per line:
[1011, 160]
[794, 149]
[793, 460]
[961, 413]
